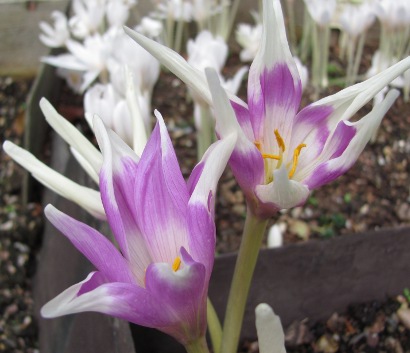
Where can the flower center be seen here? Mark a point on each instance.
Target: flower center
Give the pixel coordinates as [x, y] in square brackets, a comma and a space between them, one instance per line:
[279, 157]
[176, 264]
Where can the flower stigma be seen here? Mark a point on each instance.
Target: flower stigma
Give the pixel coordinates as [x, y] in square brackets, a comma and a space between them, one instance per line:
[279, 157]
[176, 264]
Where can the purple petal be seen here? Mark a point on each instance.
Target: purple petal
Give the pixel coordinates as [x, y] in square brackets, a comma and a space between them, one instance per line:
[162, 196]
[117, 178]
[340, 156]
[122, 300]
[93, 245]
[184, 291]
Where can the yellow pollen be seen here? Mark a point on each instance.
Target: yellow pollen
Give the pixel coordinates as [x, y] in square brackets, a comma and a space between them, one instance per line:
[176, 264]
[280, 141]
[296, 154]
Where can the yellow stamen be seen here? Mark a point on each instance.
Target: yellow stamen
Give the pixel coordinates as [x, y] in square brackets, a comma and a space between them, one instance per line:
[271, 156]
[176, 264]
[296, 154]
[280, 141]
[258, 145]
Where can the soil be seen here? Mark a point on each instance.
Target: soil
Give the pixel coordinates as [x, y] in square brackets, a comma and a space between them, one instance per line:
[372, 194]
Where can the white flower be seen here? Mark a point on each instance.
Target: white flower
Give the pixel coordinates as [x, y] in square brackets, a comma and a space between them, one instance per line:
[275, 235]
[179, 10]
[355, 19]
[150, 27]
[88, 16]
[393, 13]
[321, 10]
[57, 36]
[248, 38]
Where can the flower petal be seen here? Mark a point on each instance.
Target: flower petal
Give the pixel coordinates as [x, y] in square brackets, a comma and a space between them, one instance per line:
[161, 196]
[201, 204]
[194, 78]
[117, 179]
[246, 160]
[123, 300]
[365, 128]
[93, 245]
[281, 193]
[274, 87]
[71, 135]
[184, 291]
[87, 198]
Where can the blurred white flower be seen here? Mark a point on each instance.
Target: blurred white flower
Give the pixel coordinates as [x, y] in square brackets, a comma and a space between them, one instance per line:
[150, 28]
[56, 36]
[178, 10]
[248, 38]
[355, 19]
[321, 10]
[88, 17]
[393, 13]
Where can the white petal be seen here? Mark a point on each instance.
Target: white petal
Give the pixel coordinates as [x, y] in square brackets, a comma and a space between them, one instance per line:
[85, 165]
[71, 135]
[87, 198]
[282, 192]
[269, 328]
[216, 159]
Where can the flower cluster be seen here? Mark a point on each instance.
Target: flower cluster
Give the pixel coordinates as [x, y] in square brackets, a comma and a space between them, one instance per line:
[163, 225]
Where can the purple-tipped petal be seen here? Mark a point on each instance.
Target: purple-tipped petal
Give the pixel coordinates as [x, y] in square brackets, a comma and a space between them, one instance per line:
[162, 196]
[122, 300]
[117, 178]
[246, 160]
[339, 163]
[93, 245]
[274, 87]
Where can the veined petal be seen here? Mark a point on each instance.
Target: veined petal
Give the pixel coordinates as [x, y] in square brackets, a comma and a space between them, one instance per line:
[365, 128]
[184, 292]
[71, 135]
[246, 160]
[269, 328]
[93, 245]
[281, 193]
[117, 180]
[274, 87]
[87, 198]
[161, 196]
[201, 204]
[123, 300]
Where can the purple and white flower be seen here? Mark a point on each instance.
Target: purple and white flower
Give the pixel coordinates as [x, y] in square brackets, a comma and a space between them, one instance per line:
[282, 154]
[165, 231]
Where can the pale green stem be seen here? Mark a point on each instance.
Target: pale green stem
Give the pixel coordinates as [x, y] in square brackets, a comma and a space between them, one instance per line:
[231, 19]
[205, 132]
[359, 53]
[178, 35]
[170, 31]
[198, 346]
[242, 277]
[214, 326]
[305, 44]
[350, 55]
[315, 57]
[292, 25]
[324, 52]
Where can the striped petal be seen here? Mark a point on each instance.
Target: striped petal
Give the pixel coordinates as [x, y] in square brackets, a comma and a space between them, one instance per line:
[93, 245]
[162, 196]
